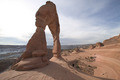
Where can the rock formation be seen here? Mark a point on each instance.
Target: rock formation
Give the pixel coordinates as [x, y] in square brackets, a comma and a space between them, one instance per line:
[99, 44]
[113, 40]
[35, 54]
[92, 46]
[47, 15]
[36, 50]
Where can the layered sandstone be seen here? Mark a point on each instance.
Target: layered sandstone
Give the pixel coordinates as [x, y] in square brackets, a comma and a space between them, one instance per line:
[35, 54]
[105, 60]
[47, 15]
[99, 44]
[113, 40]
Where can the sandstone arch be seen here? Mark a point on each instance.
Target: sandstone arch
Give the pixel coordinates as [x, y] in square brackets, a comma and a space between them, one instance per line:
[36, 49]
[47, 15]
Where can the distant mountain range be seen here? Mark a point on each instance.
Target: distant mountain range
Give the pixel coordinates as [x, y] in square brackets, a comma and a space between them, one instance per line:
[49, 46]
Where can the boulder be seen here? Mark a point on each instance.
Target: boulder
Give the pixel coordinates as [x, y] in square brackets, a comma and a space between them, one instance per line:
[99, 44]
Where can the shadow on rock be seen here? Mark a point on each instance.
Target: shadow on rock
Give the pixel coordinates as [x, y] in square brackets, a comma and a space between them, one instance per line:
[58, 72]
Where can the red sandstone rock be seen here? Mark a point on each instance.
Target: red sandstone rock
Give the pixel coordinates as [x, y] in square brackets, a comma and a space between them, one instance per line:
[99, 44]
[30, 63]
[113, 40]
[36, 50]
[47, 15]
[92, 46]
[35, 54]
[36, 45]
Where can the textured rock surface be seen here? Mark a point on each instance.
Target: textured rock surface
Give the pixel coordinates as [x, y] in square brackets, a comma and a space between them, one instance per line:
[99, 44]
[47, 15]
[92, 46]
[113, 40]
[107, 61]
[58, 69]
[35, 54]
[36, 50]
[36, 45]
[30, 63]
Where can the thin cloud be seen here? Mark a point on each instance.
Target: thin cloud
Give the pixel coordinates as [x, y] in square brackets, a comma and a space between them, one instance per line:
[81, 21]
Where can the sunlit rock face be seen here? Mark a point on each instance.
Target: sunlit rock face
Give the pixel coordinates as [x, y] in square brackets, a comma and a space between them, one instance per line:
[113, 40]
[36, 50]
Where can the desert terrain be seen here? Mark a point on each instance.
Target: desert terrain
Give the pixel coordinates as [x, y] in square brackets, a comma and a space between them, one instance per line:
[83, 23]
[98, 63]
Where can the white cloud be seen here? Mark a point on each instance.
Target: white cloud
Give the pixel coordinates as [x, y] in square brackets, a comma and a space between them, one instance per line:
[17, 20]
[84, 30]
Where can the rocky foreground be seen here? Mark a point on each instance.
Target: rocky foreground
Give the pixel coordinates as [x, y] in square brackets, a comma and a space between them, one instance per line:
[80, 64]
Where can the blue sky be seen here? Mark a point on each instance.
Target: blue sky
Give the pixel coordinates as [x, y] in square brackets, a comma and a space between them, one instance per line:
[81, 21]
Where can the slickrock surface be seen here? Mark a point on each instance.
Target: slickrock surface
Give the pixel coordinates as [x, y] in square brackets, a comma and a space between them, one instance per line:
[58, 69]
[113, 40]
[103, 63]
